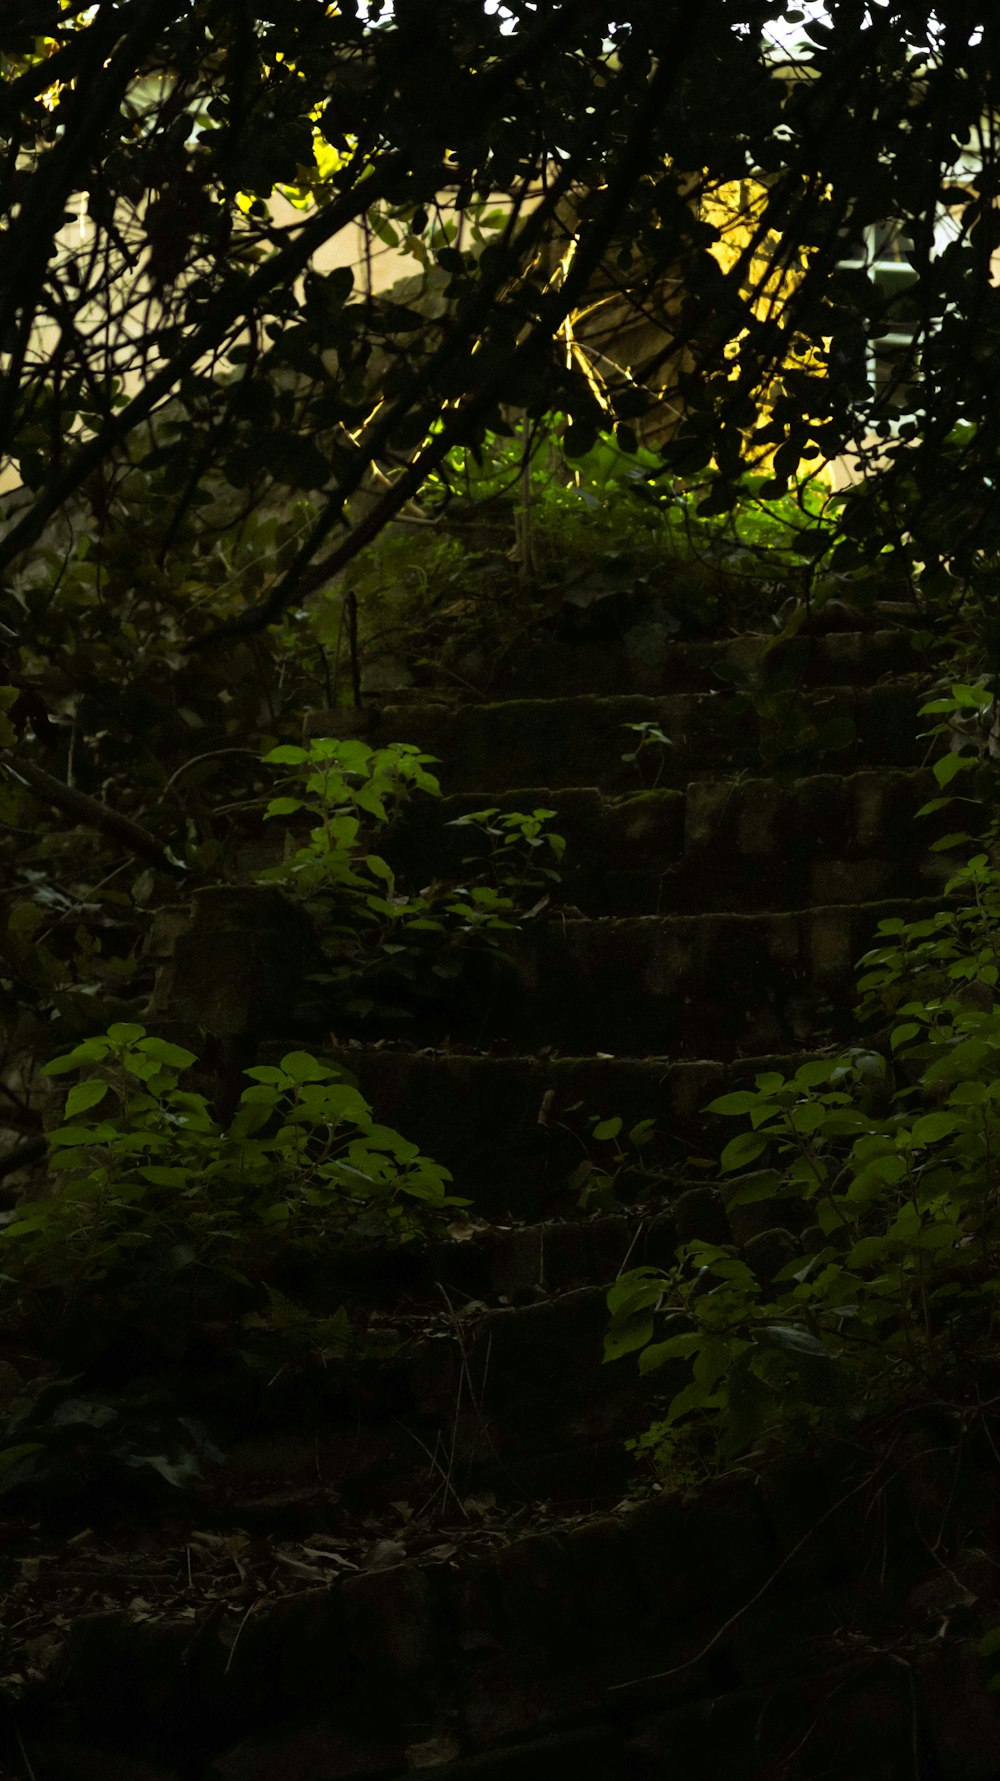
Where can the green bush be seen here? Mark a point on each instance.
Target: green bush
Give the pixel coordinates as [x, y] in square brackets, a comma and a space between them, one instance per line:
[389, 949]
[165, 1237]
[877, 1174]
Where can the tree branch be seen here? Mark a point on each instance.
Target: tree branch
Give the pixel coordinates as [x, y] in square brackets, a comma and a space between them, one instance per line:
[94, 815]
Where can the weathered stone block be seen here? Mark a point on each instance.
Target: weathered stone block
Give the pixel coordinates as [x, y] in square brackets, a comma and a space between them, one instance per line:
[239, 966]
[306, 1750]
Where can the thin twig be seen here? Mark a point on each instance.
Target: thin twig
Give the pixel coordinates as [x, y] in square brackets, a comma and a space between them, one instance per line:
[676, 1670]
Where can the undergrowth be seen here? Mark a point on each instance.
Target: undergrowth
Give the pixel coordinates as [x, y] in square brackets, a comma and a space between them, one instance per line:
[525, 527]
[871, 1181]
[164, 1240]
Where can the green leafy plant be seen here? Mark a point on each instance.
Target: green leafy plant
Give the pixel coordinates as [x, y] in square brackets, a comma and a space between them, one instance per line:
[163, 1232]
[888, 1215]
[652, 745]
[161, 1217]
[73, 1438]
[522, 854]
[375, 936]
[875, 1272]
[617, 1170]
[388, 948]
[351, 790]
[615, 493]
[953, 951]
[485, 555]
[988, 1646]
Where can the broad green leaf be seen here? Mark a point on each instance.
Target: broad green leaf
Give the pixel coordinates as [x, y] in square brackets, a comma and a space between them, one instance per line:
[10, 1456]
[618, 1295]
[674, 1348]
[694, 1397]
[25, 919]
[971, 1094]
[713, 1358]
[27, 1224]
[763, 1185]
[742, 1100]
[176, 1057]
[278, 1213]
[83, 1095]
[769, 1082]
[963, 1059]
[933, 1126]
[301, 1066]
[633, 1333]
[884, 1171]
[935, 1236]
[283, 806]
[902, 1034]
[642, 1132]
[808, 1117]
[126, 1032]
[288, 755]
[869, 1251]
[785, 1335]
[92, 1051]
[812, 1074]
[70, 1135]
[729, 1267]
[741, 1151]
[973, 697]
[607, 1128]
[946, 769]
[945, 842]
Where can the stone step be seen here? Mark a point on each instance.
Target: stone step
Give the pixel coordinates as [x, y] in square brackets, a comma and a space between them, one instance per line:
[483, 1382]
[715, 985]
[830, 838]
[649, 1643]
[510, 1399]
[507, 1378]
[643, 657]
[515, 1131]
[580, 741]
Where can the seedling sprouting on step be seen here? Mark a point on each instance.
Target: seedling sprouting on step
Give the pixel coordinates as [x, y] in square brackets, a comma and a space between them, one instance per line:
[519, 846]
[652, 745]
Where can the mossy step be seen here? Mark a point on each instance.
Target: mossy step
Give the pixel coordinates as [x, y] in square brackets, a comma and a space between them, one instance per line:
[515, 1130]
[830, 838]
[683, 985]
[652, 1641]
[499, 1264]
[644, 657]
[513, 1397]
[493, 1265]
[581, 741]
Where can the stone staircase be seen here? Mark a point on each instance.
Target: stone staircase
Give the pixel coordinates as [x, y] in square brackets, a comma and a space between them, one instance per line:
[464, 1586]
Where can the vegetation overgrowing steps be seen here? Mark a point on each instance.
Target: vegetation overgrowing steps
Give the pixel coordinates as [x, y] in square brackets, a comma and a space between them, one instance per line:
[579, 741]
[635, 650]
[614, 1646]
[831, 838]
[490, 1390]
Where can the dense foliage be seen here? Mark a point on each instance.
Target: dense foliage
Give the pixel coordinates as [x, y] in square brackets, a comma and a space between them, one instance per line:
[867, 1185]
[234, 455]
